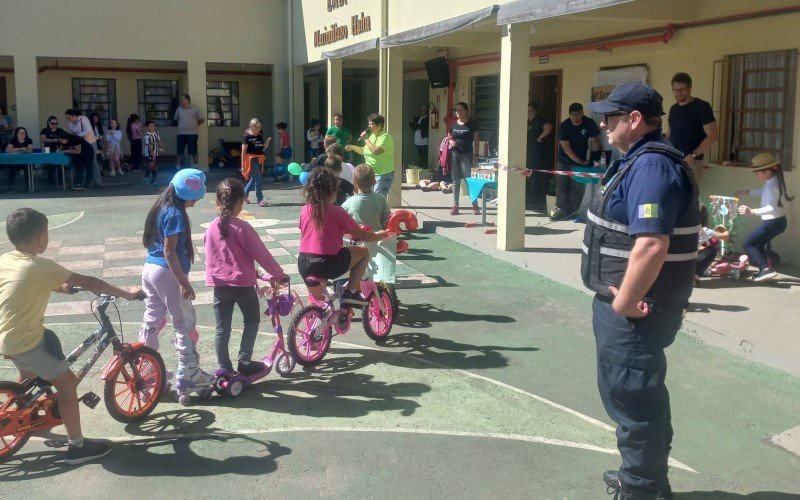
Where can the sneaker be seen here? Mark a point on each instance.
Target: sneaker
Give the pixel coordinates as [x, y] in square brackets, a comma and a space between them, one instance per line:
[112, 174]
[613, 484]
[454, 210]
[476, 210]
[74, 188]
[91, 450]
[251, 368]
[263, 203]
[558, 215]
[156, 185]
[353, 298]
[193, 378]
[765, 274]
[146, 181]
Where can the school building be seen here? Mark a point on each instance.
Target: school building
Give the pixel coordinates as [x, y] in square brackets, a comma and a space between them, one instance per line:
[294, 60]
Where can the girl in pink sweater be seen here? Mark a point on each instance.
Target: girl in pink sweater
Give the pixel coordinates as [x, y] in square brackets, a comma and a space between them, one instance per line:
[232, 246]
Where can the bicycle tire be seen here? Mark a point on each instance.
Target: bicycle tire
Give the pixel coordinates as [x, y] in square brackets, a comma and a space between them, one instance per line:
[151, 369]
[10, 392]
[306, 351]
[390, 289]
[377, 324]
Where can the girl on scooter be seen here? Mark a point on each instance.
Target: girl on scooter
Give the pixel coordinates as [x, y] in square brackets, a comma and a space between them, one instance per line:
[231, 247]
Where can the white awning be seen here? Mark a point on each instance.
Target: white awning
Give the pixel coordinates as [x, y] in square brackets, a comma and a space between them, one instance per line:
[437, 29]
[520, 11]
[350, 50]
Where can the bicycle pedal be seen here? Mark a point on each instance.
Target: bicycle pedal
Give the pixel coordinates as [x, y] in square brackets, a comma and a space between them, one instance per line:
[90, 399]
[56, 443]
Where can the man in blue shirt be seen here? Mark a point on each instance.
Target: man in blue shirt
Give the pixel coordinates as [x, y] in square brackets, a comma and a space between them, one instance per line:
[576, 135]
[641, 243]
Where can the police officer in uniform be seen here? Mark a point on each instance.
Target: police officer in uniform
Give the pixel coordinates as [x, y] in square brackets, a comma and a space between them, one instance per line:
[640, 247]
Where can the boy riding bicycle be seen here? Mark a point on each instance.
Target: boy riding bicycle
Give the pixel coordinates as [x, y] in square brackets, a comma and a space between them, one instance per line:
[25, 284]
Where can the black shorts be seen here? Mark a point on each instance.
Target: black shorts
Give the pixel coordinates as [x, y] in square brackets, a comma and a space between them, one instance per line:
[323, 266]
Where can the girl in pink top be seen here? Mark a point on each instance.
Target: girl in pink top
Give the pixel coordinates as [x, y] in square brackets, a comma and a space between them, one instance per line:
[231, 246]
[322, 226]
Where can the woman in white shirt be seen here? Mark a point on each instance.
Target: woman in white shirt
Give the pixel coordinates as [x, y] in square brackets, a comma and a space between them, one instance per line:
[773, 216]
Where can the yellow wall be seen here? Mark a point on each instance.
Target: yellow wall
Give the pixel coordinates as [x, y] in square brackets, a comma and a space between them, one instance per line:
[400, 18]
[189, 33]
[693, 51]
[312, 15]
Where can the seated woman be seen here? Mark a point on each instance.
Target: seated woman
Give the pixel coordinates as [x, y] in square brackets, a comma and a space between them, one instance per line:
[20, 143]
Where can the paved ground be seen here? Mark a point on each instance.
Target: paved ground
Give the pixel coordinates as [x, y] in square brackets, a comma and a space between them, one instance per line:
[485, 387]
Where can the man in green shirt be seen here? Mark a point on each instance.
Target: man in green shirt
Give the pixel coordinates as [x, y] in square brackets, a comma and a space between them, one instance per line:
[378, 151]
[339, 131]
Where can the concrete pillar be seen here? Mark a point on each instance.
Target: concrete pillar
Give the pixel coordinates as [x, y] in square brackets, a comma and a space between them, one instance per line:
[297, 125]
[26, 83]
[514, 76]
[390, 99]
[281, 109]
[196, 88]
[334, 88]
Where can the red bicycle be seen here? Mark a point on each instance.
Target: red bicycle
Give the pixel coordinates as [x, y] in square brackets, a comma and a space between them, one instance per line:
[134, 380]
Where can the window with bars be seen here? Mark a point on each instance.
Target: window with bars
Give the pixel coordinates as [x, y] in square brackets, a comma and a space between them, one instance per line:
[95, 95]
[222, 104]
[485, 107]
[158, 100]
[759, 106]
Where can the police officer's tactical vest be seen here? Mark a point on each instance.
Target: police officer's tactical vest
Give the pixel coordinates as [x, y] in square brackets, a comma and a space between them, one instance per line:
[607, 245]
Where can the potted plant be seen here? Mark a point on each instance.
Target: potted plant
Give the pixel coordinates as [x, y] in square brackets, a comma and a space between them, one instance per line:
[551, 195]
[413, 173]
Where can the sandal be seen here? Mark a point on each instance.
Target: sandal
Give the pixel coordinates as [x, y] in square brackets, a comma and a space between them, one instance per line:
[263, 203]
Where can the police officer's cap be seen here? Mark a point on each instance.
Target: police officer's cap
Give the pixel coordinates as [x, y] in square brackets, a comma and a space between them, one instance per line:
[629, 97]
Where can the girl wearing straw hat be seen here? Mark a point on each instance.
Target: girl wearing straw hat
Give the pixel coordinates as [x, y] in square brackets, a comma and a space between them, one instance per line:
[773, 216]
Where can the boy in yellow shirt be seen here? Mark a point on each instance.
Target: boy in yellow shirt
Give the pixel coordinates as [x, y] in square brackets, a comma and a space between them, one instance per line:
[25, 284]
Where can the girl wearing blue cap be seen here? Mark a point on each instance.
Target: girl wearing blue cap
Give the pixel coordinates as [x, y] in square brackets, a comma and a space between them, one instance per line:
[168, 239]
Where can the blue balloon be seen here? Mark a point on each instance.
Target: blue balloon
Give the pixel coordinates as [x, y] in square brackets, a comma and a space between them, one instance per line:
[304, 177]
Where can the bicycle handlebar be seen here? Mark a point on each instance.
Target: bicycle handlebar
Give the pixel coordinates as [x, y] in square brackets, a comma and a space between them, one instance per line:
[75, 289]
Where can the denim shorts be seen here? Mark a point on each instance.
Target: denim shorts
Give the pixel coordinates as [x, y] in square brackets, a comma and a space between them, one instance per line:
[46, 360]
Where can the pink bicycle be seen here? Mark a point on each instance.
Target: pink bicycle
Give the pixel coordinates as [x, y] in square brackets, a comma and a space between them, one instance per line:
[314, 326]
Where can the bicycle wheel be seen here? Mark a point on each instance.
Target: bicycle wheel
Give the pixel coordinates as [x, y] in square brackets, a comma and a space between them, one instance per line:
[10, 394]
[306, 339]
[378, 324]
[128, 399]
[389, 289]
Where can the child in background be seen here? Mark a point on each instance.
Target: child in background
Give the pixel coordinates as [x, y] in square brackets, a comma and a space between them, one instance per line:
[134, 132]
[315, 138]
[367, 207]
[280, 171]
[773, 216]
[253, 160]
[152, 146]
[708, 243]
[344, 188]
[283, 138]
[113, 149]
[165, 275]
[26, 281]
[231, 247]
[322, 226]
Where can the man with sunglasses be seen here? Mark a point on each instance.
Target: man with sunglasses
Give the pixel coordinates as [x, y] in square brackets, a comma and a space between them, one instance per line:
[639, 253]
[49, 137]
[692, 126]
